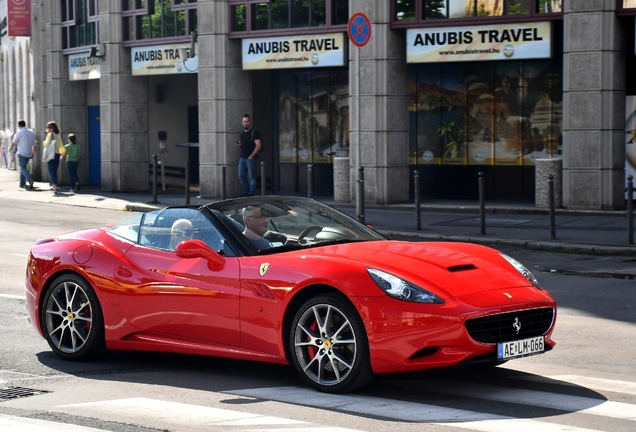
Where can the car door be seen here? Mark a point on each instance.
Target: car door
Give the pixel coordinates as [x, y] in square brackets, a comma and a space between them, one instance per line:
[162, 293]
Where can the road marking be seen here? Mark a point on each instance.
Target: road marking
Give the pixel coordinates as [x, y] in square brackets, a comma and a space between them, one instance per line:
[569, 403]
[20, 255]
[13, 296]
[195, 416]
[405, 411]
[10, 423]
[615, 386]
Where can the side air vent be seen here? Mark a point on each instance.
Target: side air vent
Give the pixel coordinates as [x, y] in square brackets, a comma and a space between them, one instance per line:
[462, 267]
[424, 353]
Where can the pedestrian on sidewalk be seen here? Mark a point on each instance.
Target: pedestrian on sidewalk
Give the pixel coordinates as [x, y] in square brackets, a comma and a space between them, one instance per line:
[53, 138]
[250, 145]
[24, 145]
[72, 155]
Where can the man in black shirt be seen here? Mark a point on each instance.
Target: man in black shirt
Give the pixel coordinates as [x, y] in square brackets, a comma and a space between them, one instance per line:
[250, 145]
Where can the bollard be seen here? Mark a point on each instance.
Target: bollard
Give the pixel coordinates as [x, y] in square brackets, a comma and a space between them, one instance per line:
[154, 179]
[630, 209]
[360, 195]
[223, 183]
[418, 218]
[262, 178]
[310, 181]
[551, 203]
[187, 183]
[482, 204]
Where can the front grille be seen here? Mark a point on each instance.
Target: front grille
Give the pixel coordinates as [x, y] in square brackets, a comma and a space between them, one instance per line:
[493, 329]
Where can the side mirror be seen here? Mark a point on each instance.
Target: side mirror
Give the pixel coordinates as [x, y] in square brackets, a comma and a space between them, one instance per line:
[198, 249]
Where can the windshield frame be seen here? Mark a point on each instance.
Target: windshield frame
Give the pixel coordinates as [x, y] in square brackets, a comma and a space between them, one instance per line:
[228, 211]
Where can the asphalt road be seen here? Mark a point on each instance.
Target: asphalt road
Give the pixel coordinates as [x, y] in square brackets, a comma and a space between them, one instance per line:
[588, 382]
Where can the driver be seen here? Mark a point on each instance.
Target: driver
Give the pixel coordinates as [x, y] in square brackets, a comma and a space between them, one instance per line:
[181, 230]
[256, 226]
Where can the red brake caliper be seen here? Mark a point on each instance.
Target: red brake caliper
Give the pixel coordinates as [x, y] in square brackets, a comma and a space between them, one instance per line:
[312, 350]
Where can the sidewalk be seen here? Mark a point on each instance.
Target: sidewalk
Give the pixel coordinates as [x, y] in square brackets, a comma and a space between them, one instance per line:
[514, 224]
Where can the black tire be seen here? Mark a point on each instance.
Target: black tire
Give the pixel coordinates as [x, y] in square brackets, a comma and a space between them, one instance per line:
[329, 346]
[72, 319]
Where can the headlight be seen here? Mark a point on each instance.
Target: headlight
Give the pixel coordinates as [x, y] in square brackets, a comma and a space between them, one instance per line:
[523, 270]
[401, 289]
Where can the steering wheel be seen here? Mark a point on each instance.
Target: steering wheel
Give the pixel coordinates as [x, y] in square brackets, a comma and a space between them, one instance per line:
[307, 231]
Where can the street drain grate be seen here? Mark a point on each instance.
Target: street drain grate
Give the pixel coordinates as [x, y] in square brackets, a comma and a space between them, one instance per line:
[9, 393]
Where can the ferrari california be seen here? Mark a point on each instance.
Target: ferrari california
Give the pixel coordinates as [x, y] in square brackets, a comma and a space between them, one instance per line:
[285, 280]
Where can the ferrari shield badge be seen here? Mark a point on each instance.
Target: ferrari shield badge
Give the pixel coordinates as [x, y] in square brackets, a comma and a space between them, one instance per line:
[263, 269]
[506, 294]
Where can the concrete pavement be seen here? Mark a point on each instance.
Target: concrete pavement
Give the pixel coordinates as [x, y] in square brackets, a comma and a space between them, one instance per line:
[507, 223]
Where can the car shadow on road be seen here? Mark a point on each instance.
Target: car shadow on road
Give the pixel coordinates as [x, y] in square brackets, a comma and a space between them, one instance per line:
[471, 389]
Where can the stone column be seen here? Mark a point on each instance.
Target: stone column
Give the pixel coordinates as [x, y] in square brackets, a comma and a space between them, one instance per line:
[594, 106]
[543, 168]
[123, 110]
[225, 94]
[383, 146]
[48, 76]
[341, 181]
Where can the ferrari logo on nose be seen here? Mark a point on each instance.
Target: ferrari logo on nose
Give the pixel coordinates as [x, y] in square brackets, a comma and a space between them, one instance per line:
[507, 295]
[263, 269]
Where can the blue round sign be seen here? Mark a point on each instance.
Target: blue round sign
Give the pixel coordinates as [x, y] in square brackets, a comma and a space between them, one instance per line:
[359, 29]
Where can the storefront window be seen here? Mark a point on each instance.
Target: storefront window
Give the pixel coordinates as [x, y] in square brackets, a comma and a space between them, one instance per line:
[627, 4]
[489, 113]
[313, 116]
[254, 15]
[550, 6]
[79, 23]
[239, 18]
[424, 11]
[156, 19]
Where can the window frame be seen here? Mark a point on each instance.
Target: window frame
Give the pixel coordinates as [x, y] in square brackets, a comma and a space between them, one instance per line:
[249, 32]
[420, 22]
[623, 11]
[186, 6]
[68, 26]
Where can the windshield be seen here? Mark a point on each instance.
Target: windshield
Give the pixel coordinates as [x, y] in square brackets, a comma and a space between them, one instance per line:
[274, 224]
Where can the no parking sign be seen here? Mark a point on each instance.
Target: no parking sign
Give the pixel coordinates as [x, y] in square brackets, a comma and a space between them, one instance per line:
[359, 29]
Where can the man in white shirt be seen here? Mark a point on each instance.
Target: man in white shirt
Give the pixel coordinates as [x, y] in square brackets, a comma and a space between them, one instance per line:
[25, 140]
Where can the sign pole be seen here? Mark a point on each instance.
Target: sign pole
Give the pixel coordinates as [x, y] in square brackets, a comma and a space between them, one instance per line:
[359, 30]
[359, 150]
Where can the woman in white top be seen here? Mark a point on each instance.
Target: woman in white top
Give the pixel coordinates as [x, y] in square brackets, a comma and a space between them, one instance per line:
[53, 138]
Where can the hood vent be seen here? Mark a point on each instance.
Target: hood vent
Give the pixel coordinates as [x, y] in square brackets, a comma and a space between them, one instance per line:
[462, 267]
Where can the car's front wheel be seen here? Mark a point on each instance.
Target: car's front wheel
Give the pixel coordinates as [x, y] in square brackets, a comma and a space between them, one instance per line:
[329, 346]
[72, 319]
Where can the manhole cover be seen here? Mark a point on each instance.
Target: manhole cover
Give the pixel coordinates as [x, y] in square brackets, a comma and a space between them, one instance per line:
[10, 393]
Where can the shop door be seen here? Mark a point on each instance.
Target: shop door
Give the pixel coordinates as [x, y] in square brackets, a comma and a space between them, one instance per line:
[94, 146]
[313, 128]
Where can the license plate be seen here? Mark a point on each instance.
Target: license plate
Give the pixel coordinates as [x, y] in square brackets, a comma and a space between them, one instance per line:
[520, 348]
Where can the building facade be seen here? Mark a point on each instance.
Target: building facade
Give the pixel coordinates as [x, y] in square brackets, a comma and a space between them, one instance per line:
[17, 87]
[451, 88]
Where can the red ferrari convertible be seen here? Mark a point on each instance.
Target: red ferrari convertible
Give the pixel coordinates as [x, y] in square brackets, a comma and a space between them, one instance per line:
[284, 280]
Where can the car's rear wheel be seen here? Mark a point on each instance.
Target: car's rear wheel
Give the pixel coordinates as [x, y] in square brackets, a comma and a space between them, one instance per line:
[329, 345]
[72, 319]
